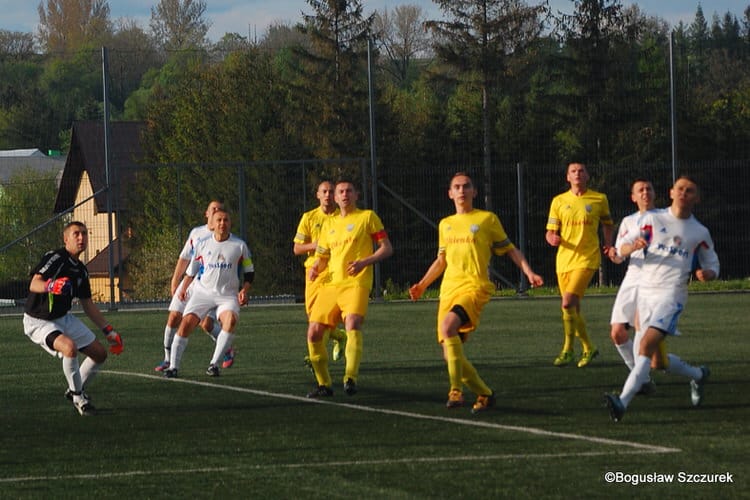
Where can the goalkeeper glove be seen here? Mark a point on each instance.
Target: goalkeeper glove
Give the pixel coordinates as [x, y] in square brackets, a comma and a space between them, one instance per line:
[59, 286]
[114, 339]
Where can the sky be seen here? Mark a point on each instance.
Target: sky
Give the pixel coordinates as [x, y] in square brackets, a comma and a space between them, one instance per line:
[252, 17]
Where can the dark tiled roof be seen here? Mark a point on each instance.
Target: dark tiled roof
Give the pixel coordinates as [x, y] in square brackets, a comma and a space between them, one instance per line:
[99, 265]
[87, 154]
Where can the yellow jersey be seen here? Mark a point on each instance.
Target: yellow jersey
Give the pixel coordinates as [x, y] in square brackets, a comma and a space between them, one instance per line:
[577, 219]
[309, 227]
[468, 242]
[349, 238]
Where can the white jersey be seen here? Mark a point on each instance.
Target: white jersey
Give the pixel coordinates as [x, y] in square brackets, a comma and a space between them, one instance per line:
[629, 228]
[222, 263]
[197, 234]
[674, 244]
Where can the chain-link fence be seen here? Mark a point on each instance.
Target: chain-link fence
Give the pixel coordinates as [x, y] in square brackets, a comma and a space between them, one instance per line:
[161, 203]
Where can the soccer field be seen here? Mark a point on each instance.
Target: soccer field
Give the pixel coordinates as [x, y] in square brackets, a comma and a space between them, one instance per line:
[251, 433]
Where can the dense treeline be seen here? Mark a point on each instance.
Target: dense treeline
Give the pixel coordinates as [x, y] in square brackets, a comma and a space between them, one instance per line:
[492, 84]
[593, 83]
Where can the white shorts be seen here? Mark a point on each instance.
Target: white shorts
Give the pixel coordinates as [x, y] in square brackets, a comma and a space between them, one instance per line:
[38, 330]
[623, 310]
[660, 309]
[177, 305]
[201, 303]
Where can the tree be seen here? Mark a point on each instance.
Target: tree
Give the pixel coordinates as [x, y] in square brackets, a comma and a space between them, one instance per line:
[26, 201]
[179, 24]
[15, 45]
[66, 25]
[480, 38]
[402, 38]
[132, 53]
[331, 82]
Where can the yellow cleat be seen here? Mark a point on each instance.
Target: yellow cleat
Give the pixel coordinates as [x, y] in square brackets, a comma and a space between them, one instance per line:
[565, 358]
[455, 399]
[484, 403]
[586, 357]
[339, 345]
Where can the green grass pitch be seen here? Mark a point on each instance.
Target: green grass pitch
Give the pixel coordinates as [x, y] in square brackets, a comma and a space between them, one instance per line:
[251, 433]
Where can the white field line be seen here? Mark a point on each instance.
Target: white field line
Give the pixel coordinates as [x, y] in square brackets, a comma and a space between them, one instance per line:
[646, 448]
[308, 465]
[634, 448]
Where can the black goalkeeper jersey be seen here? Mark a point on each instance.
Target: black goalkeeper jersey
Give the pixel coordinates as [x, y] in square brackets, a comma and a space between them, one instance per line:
[57, 264]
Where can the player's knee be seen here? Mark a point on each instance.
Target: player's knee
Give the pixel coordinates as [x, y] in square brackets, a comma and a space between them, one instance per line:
[57, 341]
[618, 334]
[316, 332]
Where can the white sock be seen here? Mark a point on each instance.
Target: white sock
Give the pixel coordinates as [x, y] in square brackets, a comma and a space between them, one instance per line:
[638, 376]
[88, 370]
[72, 372]
[179, 344]
[679, 367]
[626, 353]
[168, 339]
[223, 343]
[215, 330]
[637, 343]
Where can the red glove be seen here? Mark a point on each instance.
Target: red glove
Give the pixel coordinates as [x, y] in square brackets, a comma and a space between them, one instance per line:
[114, 339]
[59, 286]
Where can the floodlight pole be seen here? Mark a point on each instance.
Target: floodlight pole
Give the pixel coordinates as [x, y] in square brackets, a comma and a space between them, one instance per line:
[672, 111]
[373, 158]
[108, 179]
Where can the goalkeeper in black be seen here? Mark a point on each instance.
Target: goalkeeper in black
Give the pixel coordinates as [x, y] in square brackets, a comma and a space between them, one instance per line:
[58, 278]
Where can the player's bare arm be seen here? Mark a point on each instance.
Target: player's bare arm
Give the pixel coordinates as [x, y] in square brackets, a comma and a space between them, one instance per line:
[435, 270]
[552, 238]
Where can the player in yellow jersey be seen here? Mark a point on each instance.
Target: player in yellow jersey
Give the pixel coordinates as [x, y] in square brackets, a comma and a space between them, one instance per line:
[305, 243]
[347, 249]
[573, 227]
[466, 243]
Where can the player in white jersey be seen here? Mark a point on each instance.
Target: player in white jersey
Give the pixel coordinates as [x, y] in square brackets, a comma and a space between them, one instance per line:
[623, 310]
[177, 306]
[220, 259]
[671, 239]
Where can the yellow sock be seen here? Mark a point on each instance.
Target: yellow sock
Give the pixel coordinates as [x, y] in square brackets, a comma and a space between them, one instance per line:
[581, 332]
[473, 381]
[319, 360]
[353, 354]
[454, 358]
[569, 328]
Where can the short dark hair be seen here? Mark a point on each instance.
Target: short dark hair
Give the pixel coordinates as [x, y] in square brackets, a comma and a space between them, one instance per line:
[73, 223]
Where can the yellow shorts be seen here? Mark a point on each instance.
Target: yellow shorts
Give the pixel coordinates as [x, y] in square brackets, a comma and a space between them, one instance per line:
[333, 304]
[312, 289]
[575, 281]
[471, 302]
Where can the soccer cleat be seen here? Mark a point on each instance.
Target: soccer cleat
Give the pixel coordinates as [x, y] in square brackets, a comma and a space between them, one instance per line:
[647, 389]
[615, 406]
[564, 358]
[84, 407]
[350, 387]
[161, 366]
[212, 371]
[587, 356]
[696, 387]
[69, 395]
[309, 365]
[170, 373]
[339, 346]
[483, 403]
[455, 399]
[228, 358]
[320, 391]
